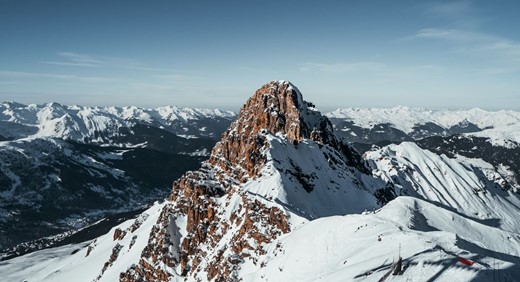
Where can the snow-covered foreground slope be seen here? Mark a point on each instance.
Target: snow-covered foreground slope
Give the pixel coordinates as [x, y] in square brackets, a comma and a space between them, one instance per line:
[363, 247]
[86, 261]
[359, 247]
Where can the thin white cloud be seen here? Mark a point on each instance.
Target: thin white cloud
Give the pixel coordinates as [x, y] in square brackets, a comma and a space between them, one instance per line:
[340, 68]
[85, 58]
[152, 87]
[453, 9]
[451, 34]
[20, 74]
[505, 46]
[96, 61]
[69, 64]
[176, 77]
[146, 68]
[501, 54]
[370, 69]
[471, 42]
[460, 13]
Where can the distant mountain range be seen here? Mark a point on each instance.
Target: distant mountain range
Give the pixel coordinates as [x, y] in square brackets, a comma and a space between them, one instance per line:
[373, 125]
[285, 196]
[104, 125]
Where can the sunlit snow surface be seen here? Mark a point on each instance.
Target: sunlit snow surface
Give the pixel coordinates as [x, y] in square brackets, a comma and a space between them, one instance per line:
[469, 186]
[347, 248]
[337, 248]
[337, 234]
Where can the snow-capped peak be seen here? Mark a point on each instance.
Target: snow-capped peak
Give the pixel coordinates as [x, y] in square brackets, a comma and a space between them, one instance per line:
[275, 168]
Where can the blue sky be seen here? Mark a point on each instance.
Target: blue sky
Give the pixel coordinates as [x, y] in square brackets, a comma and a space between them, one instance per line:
[433, 54]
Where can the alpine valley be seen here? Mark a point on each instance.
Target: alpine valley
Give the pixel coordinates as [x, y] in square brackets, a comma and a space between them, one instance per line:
[64, 167]
[278, 192]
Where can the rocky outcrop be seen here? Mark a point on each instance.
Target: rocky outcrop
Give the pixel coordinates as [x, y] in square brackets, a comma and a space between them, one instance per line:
[113, 257]
[119, 234]
[223, 224]
[276, 107]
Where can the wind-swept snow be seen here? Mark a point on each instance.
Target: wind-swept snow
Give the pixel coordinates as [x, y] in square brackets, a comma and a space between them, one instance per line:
[333, 188]
[470, 186]
[505, 136]
[363, 247]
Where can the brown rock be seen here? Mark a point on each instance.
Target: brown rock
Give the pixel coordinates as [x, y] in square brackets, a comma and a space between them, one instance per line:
[119, 234]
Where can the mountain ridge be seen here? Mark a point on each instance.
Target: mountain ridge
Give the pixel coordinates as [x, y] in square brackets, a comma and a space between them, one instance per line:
[101, 124]
[404, 118]
[279, 178]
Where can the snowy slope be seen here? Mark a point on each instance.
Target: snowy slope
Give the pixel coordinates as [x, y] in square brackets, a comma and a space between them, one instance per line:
[359, 247]
[62, 167]
[470, 186]
[71, 263]
[457, 209]
[505, 136]
[336, 187]
[333, 194]
[385, 125]
[347, 248]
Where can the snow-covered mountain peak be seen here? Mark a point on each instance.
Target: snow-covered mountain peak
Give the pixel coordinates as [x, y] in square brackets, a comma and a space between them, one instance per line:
[276, 167]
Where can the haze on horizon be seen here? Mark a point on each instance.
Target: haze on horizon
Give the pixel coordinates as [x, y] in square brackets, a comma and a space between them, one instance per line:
[432, 54]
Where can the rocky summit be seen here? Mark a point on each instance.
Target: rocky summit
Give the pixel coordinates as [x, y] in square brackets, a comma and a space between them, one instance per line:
[225, 222]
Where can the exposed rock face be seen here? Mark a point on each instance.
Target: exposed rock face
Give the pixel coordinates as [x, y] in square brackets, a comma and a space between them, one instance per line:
[223, 223]
[119, 234]
[277, 107]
